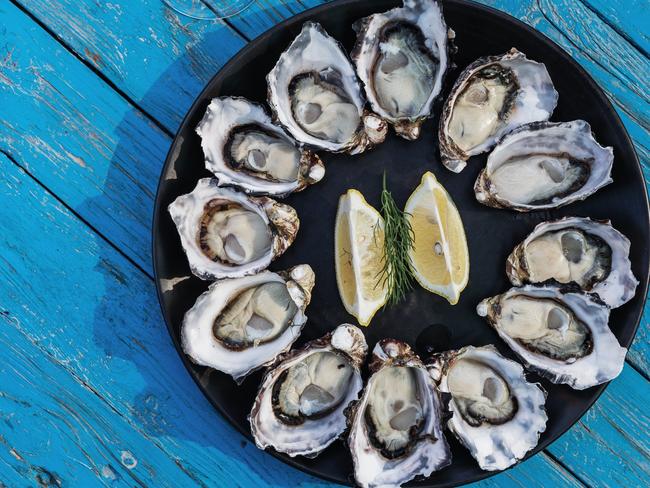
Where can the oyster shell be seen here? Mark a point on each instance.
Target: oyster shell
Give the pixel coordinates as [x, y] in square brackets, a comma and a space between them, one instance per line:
[226, 233]
[315, 94]
[242, 147]
[401, 57]
[496, 413]
[590, 253]
[544, 165]
[564, 337]
[491, 97]
[241, 324]
[299, 409]
[396, 427]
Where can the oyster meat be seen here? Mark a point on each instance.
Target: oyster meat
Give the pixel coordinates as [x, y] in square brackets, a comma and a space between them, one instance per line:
[496, 413]
[315, 94]
[591, 254]
[401, 57]
[226, 233]
[564, 337]
[491, 97]
[242, 147]
[299, 409]
[241, 324]
[396, 427]
[544, 165]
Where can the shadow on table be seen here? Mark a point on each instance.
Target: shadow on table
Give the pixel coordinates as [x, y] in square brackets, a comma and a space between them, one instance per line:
[128, 325]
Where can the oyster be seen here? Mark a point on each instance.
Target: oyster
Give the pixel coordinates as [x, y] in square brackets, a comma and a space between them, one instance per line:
[496, 413]
[491, 97]
[589, 253]
[315, 95]
[564, 337]
[544, 165]
[396, 427]
[241, 324]
[242, 147]
[225, 233]
[299, 409]
[401, 57]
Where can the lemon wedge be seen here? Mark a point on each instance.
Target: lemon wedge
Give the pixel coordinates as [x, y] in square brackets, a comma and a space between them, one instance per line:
[359, 251]
[439, 255]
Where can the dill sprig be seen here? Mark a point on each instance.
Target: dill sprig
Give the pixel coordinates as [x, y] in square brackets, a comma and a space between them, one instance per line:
[397, 272]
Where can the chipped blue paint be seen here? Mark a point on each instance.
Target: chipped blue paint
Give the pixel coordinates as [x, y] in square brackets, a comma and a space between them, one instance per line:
[82, 342]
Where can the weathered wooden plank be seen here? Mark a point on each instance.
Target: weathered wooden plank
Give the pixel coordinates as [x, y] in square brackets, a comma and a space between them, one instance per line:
[85, 355]
[630, 18]
[610, 445]
[158, 58]
[264, 14]
[76, 135]
[91, 313]
[57, 432]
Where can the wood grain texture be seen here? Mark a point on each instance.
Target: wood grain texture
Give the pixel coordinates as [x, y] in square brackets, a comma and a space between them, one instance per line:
[631, 19]
[610, 445]
[78, 136]
[145, 48]
[100, 349]
[101, 156]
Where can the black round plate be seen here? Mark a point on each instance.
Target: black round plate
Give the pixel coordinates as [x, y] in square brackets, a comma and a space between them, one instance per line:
[491, 233]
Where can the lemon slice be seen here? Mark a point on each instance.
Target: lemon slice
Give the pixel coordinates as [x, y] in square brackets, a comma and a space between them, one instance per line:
[439, 255]
[359, 251]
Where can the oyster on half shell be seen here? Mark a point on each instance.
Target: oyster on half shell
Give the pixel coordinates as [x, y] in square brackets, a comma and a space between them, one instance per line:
[241, 324]
[544, 165]
[491, 97]
[243, 147]
[299, 409]
[401, 57]
[315, 94]
[590, 253]
[496, 413]
[226, 233]
[396, 426]
[564, 337]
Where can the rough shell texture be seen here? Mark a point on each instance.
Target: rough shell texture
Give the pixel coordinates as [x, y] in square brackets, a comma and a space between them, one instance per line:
[312, 436]
[223, 116]
[313, 50]
[496, 447]
[187, 210]
[431, 451]
[615, 290]
[606, 359]
[426, 16]
[535, 100]
[573, 138]
[197, 338]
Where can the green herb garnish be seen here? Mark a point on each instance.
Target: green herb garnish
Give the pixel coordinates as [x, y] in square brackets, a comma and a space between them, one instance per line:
[397, 272]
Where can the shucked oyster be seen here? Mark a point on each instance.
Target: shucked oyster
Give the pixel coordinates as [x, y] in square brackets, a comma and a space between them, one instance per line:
[401, 57]
[492, 96]
[242, 147]
[589, 253]
[315, 95]
[300, 404]
[225, 233]
[562, 336]
[396, 427]
[496, 413]
[242, 324]
[544, 165]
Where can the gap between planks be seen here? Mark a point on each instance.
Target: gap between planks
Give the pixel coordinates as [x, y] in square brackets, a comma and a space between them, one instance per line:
[133, 103]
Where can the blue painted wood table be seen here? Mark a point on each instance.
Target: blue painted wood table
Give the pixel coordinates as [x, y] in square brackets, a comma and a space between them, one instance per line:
[92, 391]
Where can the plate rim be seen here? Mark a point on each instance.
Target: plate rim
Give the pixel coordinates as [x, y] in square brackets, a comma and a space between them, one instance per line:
[301, 17]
